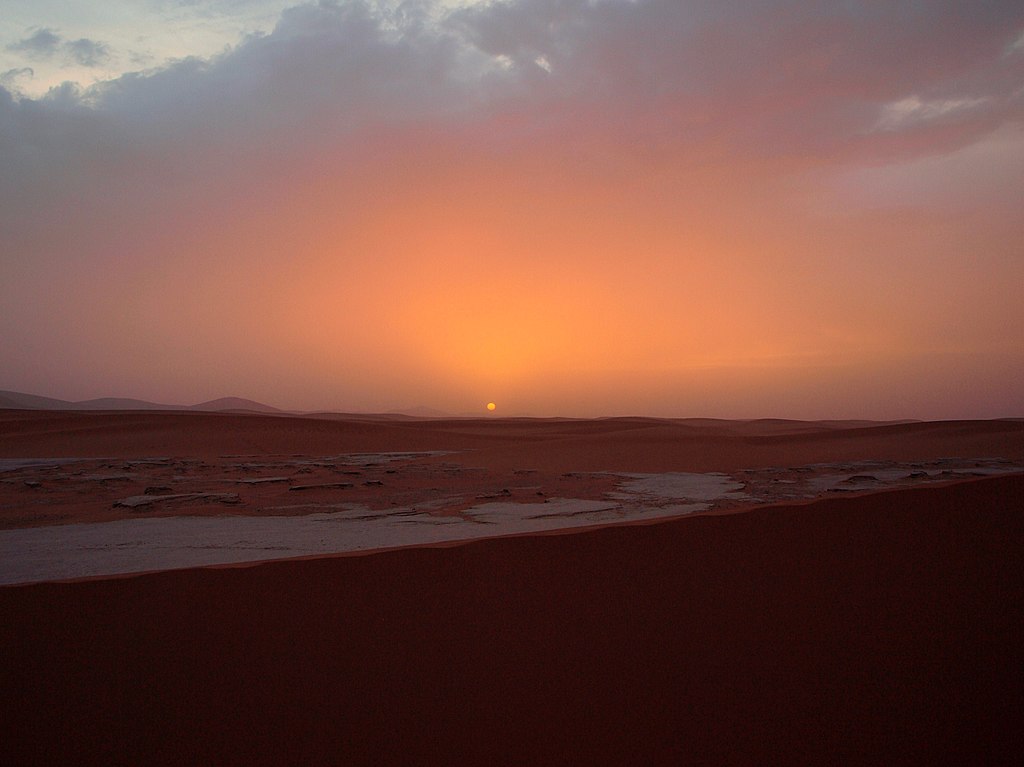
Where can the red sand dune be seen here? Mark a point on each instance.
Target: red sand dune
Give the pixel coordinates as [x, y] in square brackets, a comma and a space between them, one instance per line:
[876, 629]
[614, 444]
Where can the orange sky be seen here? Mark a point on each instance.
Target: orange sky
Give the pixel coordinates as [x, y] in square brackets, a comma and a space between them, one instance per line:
[661, 224]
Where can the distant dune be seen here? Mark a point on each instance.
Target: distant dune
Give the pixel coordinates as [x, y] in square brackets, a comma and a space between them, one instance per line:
[235, 403]
[22, 401]
[420, 411]
[611, 444]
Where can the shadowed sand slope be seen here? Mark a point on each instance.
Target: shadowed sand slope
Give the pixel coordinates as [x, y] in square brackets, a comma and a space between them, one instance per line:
[874, 629]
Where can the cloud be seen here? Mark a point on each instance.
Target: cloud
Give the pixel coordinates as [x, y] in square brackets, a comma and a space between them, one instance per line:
[814, 79]
[1016, 45]
[9, 78]
[46, 43]
[786, 78]
[43, 43]
[87, 53]
[807, 84]
[910, 110]
[608, 87]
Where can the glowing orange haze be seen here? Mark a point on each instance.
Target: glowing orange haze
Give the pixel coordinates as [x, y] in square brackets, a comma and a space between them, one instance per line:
[554, 285]
[554, 288]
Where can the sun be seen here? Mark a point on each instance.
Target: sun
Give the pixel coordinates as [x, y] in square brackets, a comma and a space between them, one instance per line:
[491, 406]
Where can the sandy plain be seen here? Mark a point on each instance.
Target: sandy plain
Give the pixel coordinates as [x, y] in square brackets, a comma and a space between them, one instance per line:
[827, 592]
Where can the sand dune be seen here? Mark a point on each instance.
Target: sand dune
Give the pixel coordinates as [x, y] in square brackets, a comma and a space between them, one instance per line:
[614, 444]
[875, 629]
[865, 627]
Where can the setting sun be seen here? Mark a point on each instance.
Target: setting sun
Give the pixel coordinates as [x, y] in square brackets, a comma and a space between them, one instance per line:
[491, 406]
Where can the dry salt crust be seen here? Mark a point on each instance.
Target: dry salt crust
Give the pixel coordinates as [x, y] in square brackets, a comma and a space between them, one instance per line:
[137, 545]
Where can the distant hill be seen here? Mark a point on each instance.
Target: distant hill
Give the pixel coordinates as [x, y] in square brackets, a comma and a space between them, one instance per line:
[118, 403]
[22, 401]
[420, 412]
[13, 399]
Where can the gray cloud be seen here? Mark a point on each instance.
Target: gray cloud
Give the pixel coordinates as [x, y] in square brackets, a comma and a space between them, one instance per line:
[42, 43]
[87, 53]
[9, 78]
[808, 82]
[47, 43]
[784, 77]
[790, 76]
[708, 81]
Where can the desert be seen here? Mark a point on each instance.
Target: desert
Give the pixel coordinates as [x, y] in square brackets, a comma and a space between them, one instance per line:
[511, 382]
[609, 591]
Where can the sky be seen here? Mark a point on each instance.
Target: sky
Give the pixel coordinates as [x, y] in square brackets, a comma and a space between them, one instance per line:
[726, 209]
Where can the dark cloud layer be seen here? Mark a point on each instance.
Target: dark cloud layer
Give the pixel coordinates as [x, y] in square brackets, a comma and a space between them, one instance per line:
[807, 82]
[811, 79]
